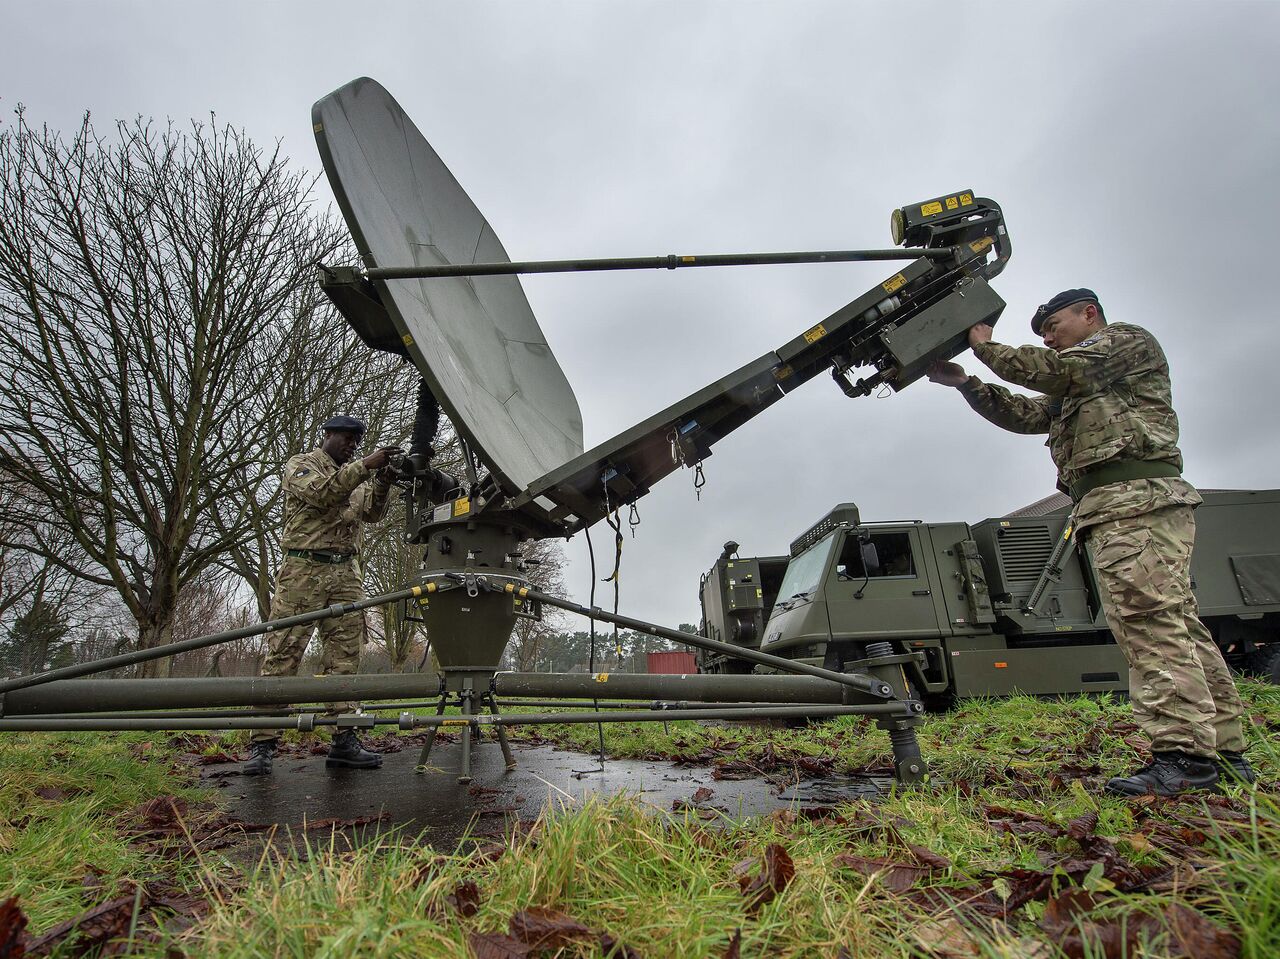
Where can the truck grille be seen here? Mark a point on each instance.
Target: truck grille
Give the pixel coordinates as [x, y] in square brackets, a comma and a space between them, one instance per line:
[1024, 551]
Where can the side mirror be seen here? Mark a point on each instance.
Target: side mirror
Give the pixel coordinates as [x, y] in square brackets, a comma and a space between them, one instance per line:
[870, 557]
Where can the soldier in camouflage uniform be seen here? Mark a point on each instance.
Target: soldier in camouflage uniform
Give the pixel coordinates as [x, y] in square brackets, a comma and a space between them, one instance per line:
[1106, 406]
[329, 496]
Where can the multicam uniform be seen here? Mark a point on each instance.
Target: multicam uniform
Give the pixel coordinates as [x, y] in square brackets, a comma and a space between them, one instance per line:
[1113, 435]
[325, 507]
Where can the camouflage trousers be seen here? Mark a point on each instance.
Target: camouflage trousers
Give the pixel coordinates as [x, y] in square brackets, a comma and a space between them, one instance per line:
[1182, 692]
[301, 586]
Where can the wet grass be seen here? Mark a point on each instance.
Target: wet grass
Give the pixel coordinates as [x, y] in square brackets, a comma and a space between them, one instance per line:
[1011, 806]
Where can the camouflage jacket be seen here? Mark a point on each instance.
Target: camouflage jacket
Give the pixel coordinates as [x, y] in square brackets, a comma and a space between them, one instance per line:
[1107, 398]
[326, 505]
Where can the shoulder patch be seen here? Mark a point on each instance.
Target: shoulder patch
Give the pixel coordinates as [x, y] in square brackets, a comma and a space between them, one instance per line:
[1090, 341]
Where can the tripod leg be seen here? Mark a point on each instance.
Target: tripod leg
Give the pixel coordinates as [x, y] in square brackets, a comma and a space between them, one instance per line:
[507, 755]
[464, 774]
[431, 736]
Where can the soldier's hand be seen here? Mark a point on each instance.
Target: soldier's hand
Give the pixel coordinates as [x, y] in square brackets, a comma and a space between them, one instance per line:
[947, 374]
[378, 459]
[980, 333]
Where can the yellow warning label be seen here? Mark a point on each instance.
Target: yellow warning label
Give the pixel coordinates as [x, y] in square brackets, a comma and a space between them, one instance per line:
[759, 593]
[782, 372]
[454, 722]
[408, 340]
[462, 506]
[953, 203]
[318, 128]
[894, 283]
[1005, 522]
[815, 334]
[966, 199]
[1066, 533]
[688, 259]
[979, 245]
[929, 209]
[600, 677]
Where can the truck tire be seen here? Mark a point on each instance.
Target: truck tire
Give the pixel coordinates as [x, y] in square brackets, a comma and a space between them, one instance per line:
[1264, 662]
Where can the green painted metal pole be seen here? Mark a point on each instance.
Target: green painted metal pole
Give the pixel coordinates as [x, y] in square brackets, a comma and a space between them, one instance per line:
[859, 681]
[670, 262]
[201, 642]
[130, 695]
[903, 709]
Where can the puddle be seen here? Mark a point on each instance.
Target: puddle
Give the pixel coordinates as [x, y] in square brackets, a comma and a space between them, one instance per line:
[441, 810]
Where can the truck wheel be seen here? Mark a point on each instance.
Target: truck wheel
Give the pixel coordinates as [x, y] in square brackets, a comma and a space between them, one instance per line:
[1264, 663]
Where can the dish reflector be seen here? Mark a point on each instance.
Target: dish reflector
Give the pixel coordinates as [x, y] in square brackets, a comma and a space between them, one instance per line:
[474, 339]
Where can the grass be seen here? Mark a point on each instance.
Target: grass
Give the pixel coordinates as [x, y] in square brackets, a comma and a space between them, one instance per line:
[1010, 778]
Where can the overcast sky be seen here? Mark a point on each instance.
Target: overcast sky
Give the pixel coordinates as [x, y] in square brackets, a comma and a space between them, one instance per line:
[1134, 148]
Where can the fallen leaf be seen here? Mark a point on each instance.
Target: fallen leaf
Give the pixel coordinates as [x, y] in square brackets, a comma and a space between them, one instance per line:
[52, 793]
[1198, 937]
[92, 928]
[215, 759]
[734, 949]
[611, 948]
[496, 945]
[313, 824]
[703, 793]
[1064, 908]
[776, 871]
[543, 928]
[927, 857]
[894, 876]
[465, 899]
[12, 924]
[946, 939]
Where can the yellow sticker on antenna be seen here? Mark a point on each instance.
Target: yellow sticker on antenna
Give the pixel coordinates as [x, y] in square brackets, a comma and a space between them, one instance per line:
[929, 209]
[894, 283]
[966, 199]
[408, 340]
[462, 506]
[953, 203]
[815, 334]
[318, 128]
[688, 259]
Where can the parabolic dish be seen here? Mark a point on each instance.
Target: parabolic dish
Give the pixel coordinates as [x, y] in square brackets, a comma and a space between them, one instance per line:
[475, 339]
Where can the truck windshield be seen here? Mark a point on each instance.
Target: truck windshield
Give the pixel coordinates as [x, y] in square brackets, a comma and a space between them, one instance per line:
[805, 571]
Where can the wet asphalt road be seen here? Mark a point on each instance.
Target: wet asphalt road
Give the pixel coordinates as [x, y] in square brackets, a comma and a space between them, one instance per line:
[434, 806]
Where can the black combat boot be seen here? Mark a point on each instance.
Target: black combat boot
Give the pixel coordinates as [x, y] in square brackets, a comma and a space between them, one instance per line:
[1234, 769]
[1171, 774]
[347, 751]
[261, 752]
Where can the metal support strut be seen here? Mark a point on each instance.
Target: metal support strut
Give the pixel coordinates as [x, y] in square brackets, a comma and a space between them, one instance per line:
[472, 705]
[908, 766]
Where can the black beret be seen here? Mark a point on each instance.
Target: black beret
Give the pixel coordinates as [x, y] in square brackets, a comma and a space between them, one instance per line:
[1061, 301]
[346, 424]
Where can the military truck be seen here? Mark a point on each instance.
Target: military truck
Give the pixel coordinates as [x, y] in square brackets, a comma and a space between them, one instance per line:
[1010, 604]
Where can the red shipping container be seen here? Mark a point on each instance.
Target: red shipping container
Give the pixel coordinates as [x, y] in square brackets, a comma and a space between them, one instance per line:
[672, 663]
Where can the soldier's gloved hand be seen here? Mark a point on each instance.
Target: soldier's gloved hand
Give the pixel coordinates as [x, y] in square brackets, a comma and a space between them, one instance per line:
[947, 374]
[378, 459]
[980, 333]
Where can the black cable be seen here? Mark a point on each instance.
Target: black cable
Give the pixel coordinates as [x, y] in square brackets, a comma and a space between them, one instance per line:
[591, 552]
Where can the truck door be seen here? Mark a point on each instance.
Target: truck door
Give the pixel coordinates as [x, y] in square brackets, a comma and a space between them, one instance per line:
[891, 600]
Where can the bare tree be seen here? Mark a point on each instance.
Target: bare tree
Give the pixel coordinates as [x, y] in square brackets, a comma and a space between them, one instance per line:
[547, 562]
[148, 284]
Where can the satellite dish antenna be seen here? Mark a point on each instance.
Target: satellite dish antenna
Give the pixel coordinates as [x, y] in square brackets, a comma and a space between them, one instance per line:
[474, 338]
[439, 288]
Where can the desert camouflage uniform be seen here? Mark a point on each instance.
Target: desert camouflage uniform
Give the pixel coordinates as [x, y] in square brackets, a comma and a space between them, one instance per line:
[325, 507]
[1106, 400]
